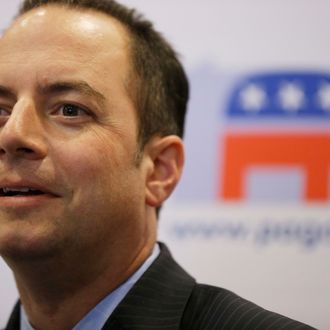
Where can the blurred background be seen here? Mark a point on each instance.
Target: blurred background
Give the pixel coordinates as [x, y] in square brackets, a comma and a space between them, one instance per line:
[251, 213]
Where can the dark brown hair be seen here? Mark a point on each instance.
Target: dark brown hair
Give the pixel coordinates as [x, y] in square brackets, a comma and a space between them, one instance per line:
[160, 86]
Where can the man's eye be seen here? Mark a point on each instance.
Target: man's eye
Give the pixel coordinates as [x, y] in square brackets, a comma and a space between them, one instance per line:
[70, 110]
[4, 112]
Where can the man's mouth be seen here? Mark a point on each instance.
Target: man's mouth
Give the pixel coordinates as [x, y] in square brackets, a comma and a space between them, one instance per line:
[19, 192]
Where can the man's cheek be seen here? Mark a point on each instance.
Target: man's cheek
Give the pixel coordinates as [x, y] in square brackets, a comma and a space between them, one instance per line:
[76, 161]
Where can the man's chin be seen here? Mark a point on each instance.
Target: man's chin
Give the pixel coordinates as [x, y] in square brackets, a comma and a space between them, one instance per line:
[18, 246]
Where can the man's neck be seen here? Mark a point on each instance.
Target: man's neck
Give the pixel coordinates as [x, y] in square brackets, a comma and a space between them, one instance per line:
[97, 317]
[57, 297]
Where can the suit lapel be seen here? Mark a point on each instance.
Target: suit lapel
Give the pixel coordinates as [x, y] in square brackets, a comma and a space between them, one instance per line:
[14, 320]
[157, 300]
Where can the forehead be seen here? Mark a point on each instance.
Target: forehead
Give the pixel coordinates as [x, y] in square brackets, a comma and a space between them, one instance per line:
[62, 38]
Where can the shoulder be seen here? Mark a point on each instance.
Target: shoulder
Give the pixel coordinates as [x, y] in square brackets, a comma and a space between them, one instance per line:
[211, 307]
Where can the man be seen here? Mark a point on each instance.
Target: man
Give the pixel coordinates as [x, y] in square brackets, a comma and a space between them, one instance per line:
[92, 104]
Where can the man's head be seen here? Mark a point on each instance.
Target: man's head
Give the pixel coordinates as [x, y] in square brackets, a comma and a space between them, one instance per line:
[158, 84]
[80, 97]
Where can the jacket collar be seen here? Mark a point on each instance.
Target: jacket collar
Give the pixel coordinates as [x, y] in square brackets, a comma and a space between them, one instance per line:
[157, 300]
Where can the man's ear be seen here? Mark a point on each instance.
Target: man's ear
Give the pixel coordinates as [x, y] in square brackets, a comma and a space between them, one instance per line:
[167, 158]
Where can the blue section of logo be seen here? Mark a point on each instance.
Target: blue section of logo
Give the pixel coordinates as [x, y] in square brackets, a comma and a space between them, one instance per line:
[281, 95]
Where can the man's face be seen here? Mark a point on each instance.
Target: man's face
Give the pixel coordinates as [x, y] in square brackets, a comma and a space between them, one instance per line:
[68, 132]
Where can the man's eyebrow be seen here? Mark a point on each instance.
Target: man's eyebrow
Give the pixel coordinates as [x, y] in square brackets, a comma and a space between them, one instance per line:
[81, 87]
[7, 93]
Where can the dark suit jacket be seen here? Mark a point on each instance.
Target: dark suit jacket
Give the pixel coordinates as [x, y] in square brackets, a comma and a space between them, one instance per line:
[167, 298]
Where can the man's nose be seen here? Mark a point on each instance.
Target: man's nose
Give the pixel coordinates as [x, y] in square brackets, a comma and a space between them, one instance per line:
[23, 135]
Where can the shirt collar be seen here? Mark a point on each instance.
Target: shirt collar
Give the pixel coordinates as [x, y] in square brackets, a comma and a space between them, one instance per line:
[96, 318]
